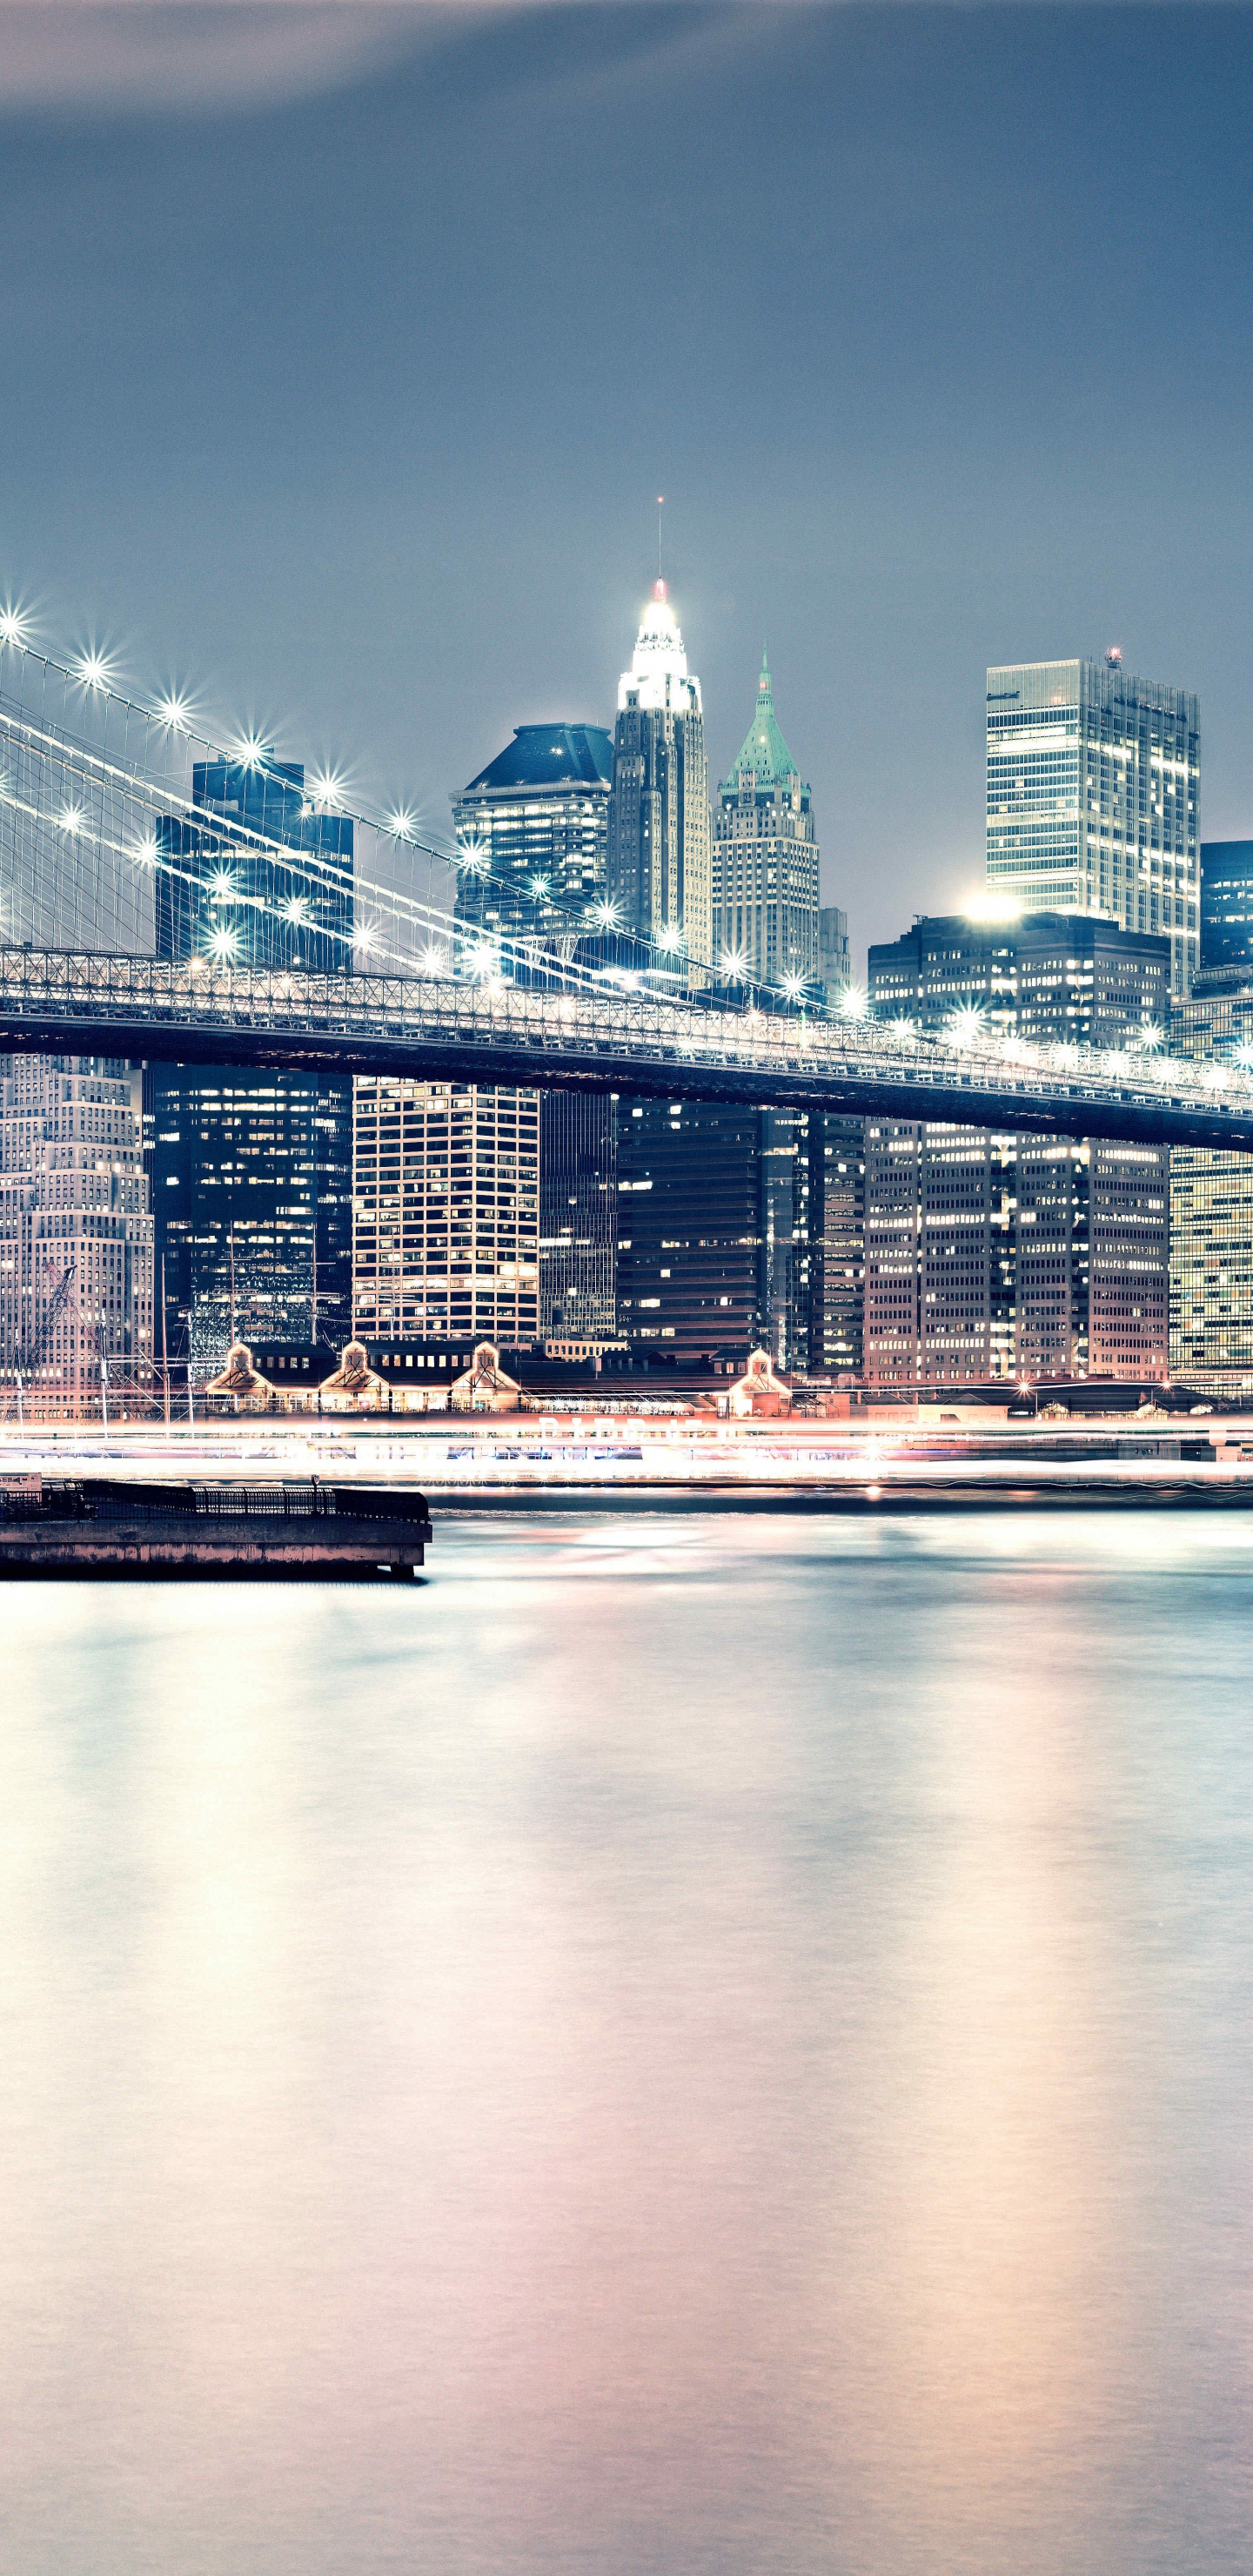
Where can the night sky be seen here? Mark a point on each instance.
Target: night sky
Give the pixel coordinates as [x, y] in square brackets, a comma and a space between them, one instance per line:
[344, 354]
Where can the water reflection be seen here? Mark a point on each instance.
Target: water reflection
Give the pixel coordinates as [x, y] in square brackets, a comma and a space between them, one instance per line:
[690, 2044]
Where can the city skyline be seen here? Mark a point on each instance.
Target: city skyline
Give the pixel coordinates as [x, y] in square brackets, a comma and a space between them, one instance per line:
[967, 460]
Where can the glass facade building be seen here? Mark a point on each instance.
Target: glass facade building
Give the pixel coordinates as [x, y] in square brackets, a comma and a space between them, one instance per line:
[1093, 793]
[987, 1255]
[532, 832]
[251, 1173]
[1226, 906]
[1211, 1224]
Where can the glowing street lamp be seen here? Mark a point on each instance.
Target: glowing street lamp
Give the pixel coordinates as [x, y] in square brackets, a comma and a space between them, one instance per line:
[854, 1002]
[223, 944]
[93, 670]
[14, 627]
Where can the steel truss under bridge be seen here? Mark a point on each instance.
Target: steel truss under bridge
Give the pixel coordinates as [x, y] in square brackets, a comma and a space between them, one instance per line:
[440, 1028]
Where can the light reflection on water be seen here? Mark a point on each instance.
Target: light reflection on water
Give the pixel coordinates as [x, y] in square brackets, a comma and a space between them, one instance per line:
[690, 2044]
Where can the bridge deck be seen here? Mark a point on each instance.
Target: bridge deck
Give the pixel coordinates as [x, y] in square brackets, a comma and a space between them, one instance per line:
[441, 1027]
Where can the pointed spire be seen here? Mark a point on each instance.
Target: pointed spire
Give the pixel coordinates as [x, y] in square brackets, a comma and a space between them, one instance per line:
[764, 750]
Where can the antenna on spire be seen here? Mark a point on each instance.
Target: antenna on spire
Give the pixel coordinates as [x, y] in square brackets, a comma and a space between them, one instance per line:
[661, 503]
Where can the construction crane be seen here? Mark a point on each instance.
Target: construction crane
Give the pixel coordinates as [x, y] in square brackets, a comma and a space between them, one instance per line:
[33, 1356]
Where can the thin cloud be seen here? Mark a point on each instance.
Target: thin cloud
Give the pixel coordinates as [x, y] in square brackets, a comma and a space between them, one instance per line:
[121, 54]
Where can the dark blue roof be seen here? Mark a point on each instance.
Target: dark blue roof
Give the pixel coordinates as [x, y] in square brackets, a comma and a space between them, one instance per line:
[554, 755]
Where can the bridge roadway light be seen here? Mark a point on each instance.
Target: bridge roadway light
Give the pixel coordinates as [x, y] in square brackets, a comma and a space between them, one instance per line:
[223, 943]
[967, 1026]
[174, 712]
[401, 823]
[733, 966]
[93, 670]
[607, 915]
[854, 1003]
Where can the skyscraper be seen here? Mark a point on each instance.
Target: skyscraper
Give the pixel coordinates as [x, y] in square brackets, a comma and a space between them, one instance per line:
[659, 859]
[1226, 907]
[251, 1172]
[1211, 1214]
[532, 832]
[989, 1255]
[446, 1211]
[765, 858]
[74, 1216]
[532, 836]
[1093, 790]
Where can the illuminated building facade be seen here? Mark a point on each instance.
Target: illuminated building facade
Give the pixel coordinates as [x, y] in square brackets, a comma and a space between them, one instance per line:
[835, 964]
[658, 873]
[1093, 793]
[532, 834]
[251, 1172]
[765, 859]
[1226, 906]
[713, 1231]
[1211, 1219]
[73, 1212]
[991, 1256]
[445, 1212]
[578, 1221]
[837, 1245]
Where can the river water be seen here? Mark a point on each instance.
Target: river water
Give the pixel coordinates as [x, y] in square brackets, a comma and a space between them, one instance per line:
[685, 2046]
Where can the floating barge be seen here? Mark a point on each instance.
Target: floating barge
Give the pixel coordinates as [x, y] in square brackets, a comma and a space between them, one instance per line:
[109, 1526]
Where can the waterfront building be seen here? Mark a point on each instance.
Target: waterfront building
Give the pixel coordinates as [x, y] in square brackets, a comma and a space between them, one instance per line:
[532, 837]
[251, 1173]
[75, 1231]
[578, 1217]
[992, 1255]
[837, 1245]
[1226, 906]
[835, 965]
[532, 834]
[659, 871]
[1093, 793]
[445, 1211]
[765, 859]
[713, 1231]
[1211, 1212]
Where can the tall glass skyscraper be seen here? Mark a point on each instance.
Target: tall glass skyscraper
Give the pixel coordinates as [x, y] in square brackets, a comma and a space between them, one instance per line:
[659, 860]
[765, 858]
[251, 1173]
[1226, 906]
[532, 831]
[1093, 791]
[532, 837]
[991, 1255]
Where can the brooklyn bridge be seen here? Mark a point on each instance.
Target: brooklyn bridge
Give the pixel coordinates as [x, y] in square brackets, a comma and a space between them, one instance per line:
[140, 917]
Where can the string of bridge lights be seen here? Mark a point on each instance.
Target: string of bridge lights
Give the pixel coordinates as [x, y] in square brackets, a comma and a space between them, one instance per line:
[462, 952]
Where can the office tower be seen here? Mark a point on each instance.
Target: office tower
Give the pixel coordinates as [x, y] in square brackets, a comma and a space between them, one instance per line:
[531, 833]
[765, 859]
[258, 874]
[1093, 794]
[445, 1211]
[659, 860]
[835, 965]
[837, 1249]
[992, 1255]
[713, 1227]
[578, 1217]
[1226, 906]
[75, 1232]
[1211, 1217]
[251, 1172]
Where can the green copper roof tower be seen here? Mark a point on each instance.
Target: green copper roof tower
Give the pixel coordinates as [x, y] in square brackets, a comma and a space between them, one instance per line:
[765, 860]
[764, 751]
